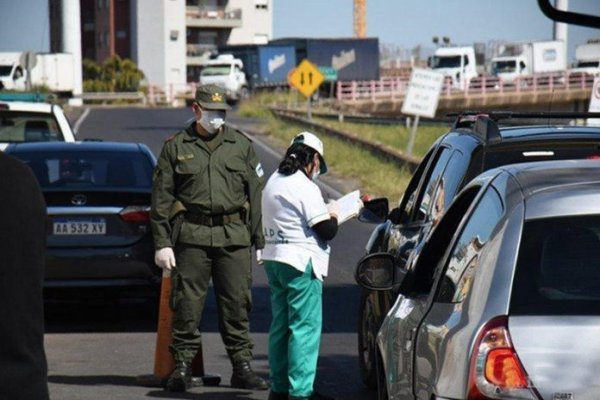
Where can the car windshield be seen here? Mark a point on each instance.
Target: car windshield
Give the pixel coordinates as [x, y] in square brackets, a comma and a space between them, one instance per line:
[215, 70]
[89, 170]
[558, 269]
[500, 67]
[445, 62]
[22, 126]
[5, 70]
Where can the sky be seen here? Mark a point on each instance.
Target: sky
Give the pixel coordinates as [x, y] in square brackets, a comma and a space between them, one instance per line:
[403, 23]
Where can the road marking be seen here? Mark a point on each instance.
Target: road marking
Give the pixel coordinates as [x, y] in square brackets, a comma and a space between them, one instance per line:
[80, 120]
[327, 188]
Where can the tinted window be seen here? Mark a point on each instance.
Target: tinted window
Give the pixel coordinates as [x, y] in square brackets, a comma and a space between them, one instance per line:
[17, 126]
[558, 269]
[85, 170]
[464, 259]
[427, 196]
[447, 185]
[409, 197]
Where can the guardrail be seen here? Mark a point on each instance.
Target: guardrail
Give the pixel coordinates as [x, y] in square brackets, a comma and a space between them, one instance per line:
[396, 87]
[106, 97]
[377, 148]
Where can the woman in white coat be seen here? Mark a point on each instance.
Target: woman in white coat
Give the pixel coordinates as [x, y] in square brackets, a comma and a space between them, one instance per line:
[297, 225]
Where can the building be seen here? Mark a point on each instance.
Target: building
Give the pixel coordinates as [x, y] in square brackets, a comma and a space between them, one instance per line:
[167, 39]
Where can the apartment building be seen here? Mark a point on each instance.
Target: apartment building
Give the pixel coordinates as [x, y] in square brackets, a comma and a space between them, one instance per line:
[168, 39]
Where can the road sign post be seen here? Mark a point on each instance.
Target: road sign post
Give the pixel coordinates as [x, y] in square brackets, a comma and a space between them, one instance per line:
[422, 98]
[306, 78]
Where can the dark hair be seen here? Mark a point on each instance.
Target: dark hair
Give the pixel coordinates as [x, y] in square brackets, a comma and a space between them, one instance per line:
[296, 157]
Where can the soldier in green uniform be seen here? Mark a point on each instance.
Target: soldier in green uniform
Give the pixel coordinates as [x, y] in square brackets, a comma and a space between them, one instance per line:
[212, 172]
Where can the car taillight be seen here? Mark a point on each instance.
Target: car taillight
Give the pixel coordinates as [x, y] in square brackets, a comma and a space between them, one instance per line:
[594, 157]
[496, 371]
[135, 214]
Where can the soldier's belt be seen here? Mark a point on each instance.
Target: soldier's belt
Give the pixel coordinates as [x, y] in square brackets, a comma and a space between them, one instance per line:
[212, 220]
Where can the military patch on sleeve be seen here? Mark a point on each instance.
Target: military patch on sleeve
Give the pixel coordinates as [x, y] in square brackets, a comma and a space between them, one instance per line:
[259, 170]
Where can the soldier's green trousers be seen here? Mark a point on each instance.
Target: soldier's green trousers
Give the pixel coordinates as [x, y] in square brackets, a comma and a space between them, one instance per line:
[295, 334]
[231, 271]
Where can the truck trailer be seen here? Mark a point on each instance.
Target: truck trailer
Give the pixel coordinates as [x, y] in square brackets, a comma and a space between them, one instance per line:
[587, 58]
[54, 71]
[522, 59]
[263, 65]
[353, 59]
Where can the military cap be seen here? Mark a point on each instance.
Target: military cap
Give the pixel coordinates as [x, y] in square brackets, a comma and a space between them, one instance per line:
[211, 97]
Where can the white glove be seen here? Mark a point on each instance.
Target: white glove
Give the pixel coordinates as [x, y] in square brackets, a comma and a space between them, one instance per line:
[165, 258]
[259, 259]
[334, 208]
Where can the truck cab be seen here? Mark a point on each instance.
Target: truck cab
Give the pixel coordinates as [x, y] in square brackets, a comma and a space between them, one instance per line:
[12, 74]
[457, 64]
[228, 72]
[508, 69]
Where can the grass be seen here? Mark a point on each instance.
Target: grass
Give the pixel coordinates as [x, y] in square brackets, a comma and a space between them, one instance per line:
[350, 166]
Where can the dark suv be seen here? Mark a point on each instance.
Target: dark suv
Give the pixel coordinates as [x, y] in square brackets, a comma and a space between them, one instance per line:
[475, 144]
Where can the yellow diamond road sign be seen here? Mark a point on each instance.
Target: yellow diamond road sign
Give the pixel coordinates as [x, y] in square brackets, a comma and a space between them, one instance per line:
[306, 78]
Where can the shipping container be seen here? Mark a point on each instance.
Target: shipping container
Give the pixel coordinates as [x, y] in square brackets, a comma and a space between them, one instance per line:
[264, 65]
[354, 59]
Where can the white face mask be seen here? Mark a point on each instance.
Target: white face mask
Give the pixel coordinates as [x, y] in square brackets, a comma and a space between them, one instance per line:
[212, 120]
[316, 171]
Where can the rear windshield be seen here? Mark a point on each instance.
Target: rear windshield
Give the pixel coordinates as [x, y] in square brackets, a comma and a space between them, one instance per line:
[558, 269]
[90, 170]
[21, 126]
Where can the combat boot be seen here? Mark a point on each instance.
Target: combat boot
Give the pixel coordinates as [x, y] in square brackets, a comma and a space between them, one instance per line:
[244, 378]
[180, 379]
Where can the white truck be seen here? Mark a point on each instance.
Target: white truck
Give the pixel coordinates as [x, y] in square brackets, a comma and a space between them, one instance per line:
[587, 58]
[458, 64]
[522, 59]
[56, 71]
[228, 72]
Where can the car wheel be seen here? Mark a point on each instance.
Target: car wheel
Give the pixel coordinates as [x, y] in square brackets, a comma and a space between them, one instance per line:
[367, 333]
[382, 393]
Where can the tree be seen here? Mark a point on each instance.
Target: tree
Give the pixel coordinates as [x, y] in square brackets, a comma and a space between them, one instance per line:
[114, 75]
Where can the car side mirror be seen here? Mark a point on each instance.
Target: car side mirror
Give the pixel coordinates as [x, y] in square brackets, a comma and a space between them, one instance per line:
[376, 271]
[374, 211]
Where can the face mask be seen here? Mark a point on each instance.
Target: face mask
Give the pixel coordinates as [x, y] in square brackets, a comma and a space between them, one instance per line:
[211, 120]
[316, 174]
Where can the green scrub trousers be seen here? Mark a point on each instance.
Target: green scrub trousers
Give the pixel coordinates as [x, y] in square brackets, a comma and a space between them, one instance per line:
[295, 334]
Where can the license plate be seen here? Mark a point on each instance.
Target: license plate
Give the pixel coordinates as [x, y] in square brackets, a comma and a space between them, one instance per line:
[94, 226]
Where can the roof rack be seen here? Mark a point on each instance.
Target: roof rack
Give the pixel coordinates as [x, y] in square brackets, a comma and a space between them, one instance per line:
[485, 123]
[498, 115]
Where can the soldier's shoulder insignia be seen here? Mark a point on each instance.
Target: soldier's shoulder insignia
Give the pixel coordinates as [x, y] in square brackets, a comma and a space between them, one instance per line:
[244, 134]
[172, 137]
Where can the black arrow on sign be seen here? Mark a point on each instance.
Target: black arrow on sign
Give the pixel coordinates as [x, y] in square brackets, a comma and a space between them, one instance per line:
[310, 78]
[302, 78]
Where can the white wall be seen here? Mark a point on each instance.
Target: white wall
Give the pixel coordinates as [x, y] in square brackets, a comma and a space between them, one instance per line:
[257, 23]
[161, 56]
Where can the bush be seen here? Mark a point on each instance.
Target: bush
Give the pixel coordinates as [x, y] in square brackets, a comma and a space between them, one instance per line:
[114, 75]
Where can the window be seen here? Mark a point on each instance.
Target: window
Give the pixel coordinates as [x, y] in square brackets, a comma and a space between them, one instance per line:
[464, 259]
[549, 55]
[447, 185]
[558, 267]
[21, 126]
[424, 204]
[121, 34]
[261, 4]
[89, 170]
[409, 198]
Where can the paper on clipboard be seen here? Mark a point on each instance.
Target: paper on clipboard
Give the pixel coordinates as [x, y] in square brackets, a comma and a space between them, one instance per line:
[348, 206]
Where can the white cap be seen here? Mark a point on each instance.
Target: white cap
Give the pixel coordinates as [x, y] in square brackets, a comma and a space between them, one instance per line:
[311, 140]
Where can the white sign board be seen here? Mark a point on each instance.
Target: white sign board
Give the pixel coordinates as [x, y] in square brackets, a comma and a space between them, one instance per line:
[595, 102]
[423, 93]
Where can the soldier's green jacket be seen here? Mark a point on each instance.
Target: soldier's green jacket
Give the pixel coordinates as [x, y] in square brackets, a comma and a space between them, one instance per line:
[214, 182]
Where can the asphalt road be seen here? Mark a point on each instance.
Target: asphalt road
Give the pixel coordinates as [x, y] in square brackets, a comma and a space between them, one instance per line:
[97, 349]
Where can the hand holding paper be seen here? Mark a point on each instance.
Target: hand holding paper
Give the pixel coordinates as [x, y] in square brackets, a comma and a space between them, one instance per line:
[346, 207]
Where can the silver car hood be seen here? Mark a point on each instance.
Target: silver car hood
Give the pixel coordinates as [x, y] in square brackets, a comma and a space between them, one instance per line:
[561, 354]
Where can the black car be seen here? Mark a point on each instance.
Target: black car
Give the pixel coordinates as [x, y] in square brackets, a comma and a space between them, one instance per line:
[98, 198]
[475, 144]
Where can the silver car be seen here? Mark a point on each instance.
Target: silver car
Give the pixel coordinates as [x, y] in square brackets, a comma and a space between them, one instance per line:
[502, 301]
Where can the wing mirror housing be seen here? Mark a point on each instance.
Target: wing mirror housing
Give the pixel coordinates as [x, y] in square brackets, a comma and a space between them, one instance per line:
[378, 271]
[374, 211]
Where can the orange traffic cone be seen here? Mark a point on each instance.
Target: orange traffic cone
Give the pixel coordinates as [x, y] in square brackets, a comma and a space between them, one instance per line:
[163, 359]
